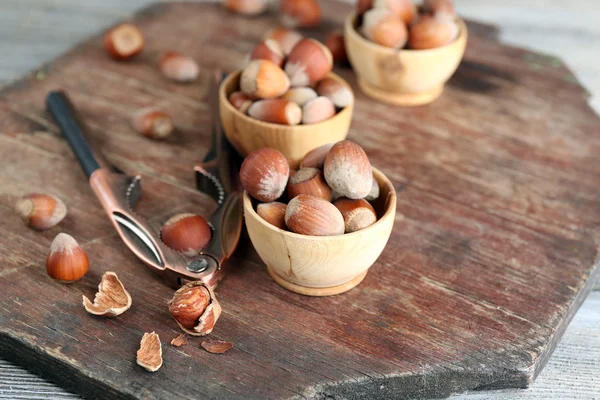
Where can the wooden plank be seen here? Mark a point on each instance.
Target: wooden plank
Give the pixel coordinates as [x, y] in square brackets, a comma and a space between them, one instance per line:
[497, 250]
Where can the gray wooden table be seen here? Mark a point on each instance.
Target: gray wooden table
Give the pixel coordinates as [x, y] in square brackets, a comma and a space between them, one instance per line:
[35, 31]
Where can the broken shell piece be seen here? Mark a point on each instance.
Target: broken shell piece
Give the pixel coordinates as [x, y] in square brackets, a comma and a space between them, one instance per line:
[195, 308]
[111, 300]
[149, 355]
[180, 340]
[217, 346]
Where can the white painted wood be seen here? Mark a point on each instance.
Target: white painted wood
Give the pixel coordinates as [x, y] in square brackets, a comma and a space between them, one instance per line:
[35, 31]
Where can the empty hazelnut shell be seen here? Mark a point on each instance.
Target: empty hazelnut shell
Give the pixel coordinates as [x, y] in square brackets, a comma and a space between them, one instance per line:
[111, 300]
[149, 355]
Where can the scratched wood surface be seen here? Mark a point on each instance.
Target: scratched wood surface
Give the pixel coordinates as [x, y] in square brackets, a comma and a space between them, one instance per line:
[497, 250]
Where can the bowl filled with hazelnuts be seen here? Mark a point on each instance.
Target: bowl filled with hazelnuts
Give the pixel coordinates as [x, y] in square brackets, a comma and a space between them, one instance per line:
[403, 55]
[318, 229]
[286, 98]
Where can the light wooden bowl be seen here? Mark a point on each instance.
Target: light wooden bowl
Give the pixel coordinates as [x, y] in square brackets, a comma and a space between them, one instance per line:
[402, 77]
[248, 134]
[322, 265]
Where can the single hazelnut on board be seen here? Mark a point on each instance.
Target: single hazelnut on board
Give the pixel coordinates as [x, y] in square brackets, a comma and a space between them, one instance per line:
[276, 111]
[287, 38]
[317, 110]
[195, 308]
[384, 28]
[308, 62]
[336, 91]
[300, 95]
[41, 211]
[310, 215]
[241, 101]
[336, 45]
[309, 181]
[124, 41]
[273, 213]
[432, 32]
[217, 346]
[264, 79]
[178, 67]
[358, 214]
[152, 123]
[186, 233]
[264, 174]
[67, 261]
[111, 300]
[316, 157]
[403, 9]
[362, 6]
[300, 13]
[149, 356]
[348, 171]
[269, 49]
[247, 7]
[439, 6]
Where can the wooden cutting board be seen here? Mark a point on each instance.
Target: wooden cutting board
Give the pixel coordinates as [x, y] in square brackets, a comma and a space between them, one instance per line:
[497, 182]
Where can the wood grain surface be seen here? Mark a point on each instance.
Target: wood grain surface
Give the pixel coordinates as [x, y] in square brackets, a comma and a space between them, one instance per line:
[498, 248]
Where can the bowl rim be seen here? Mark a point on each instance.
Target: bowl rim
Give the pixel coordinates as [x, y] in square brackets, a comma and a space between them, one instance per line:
[224, 101]
[349, 27]
[390, 204]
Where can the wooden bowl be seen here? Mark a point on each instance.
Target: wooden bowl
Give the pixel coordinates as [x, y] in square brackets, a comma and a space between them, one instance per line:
[248, 134]
[402, 77]
[322, 265]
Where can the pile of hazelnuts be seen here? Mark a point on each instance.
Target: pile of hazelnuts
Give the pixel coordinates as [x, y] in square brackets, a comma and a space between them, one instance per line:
[398, 23]
[285, 81]
[339, 172]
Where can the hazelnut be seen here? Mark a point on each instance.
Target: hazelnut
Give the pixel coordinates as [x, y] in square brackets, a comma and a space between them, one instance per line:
[268, 50]
[273, 213]
[111, 300]
[439, 6]
[308, 181]
[264, 79]
[67, 261]
[287, 38]
[152, 123]
[195, 308]
[362, 6]
[300, 13]
[348, 171]
[264, 174]
[310, 215]
[316, 157]
[186, 233]
[358, 214]
[336, 91]
[149, 355]
[384, 28]
[41, 211]
[374, 193]
[124, 41]
[247, 7]
[241, 101]
[336, 45]
[403, 9]
[276, 111]
[300, 95]
[317, 110]
[178, 67]
[432, 32]
[309, 62]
